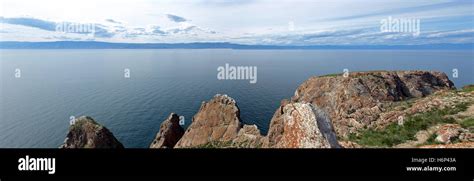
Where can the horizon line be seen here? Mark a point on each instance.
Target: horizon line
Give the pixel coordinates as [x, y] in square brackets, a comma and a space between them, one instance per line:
[210, 45]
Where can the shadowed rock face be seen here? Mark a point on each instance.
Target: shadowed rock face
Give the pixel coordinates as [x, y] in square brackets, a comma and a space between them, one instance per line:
[301, 125]
[169, 134]
[354, 102]
[216, 121]
[86, 133]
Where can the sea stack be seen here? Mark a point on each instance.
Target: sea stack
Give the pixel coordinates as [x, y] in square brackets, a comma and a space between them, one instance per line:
[216, 121]
[87, 133]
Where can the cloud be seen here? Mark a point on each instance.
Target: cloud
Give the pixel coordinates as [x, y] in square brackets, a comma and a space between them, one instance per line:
[63, 38]
[156, 30]
[185, 29]
[227, 3]
[413, 9]
[113, 21]
[101, 31]
[359, 36]
[175, 18]
[333, 33]
[30, 22]
[98, 29]
[452, 34]
[263, 23]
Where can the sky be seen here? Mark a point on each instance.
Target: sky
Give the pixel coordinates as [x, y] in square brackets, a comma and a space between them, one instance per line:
[262, 22]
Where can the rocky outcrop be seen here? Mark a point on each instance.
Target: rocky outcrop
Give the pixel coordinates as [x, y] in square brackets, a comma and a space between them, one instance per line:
[322, 109]
[301, 125]
[448, 133]
[216, 121]
[248, 137]
[295, 125]
[87, 133]
[322, 114]
[356, 101]
[169, 134]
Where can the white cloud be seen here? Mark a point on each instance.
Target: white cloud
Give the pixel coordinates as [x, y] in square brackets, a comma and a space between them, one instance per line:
[241, 21]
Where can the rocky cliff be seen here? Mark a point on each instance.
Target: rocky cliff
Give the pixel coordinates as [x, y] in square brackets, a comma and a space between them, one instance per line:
[357, 101]
[87, 133]
[169, 134]
[216, 121]
[300, 125]
[364, 109]
[296, 125]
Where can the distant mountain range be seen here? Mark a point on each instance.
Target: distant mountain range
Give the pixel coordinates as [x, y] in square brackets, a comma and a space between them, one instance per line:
[209, 45]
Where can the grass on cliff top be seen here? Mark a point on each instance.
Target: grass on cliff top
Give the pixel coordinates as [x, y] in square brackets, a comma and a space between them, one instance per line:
[395, 134]
[468, 88]
[330, 75]
[78, 124]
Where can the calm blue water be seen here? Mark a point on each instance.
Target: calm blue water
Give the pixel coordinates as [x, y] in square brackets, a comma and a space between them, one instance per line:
[57, 84]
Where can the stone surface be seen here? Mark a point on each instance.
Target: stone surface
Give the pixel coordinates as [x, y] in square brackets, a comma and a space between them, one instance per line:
[466, 137]
[357, 101]
[217, 120]
[349, 144]
[248, 137]
[169, 134]
[300, 125]
[447, 133]
[87, 133]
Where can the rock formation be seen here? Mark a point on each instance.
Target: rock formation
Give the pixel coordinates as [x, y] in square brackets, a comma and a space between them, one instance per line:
[323, 113]
[169, 134]
[355, 101]
[86, 133]
[447, 133]
[301, 125]
[248, 137]
[216, 121]
[296, 125]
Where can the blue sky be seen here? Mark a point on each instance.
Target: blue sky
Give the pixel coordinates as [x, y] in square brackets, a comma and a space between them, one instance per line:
[270, 22]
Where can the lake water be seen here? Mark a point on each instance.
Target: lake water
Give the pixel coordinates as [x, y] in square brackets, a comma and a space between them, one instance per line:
[56, 84]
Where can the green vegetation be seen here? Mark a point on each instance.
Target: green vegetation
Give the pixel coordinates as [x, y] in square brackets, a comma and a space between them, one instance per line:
[78, 124]
[431, 140]
[468, 123]
[330, 75]
[395, 134]
[468, 88]
[216, 144]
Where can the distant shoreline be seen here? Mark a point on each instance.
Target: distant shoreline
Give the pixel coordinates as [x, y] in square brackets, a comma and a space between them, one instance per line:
[219, 45]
